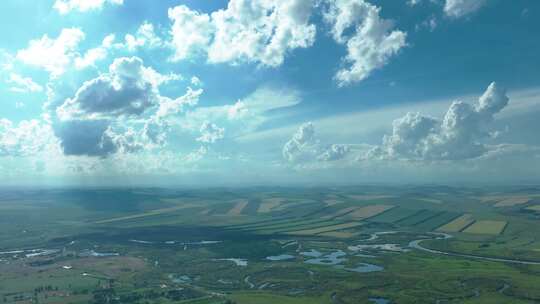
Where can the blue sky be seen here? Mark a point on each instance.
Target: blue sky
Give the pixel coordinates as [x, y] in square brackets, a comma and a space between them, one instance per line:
[269, 91]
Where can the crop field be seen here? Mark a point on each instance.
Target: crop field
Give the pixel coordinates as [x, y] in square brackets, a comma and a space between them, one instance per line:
[369, 211]
[325, 229]
[238, 208]
[534, 208]
[418, 217]
[486, 227]
[512, 201]
[393, 215]
[270, 204]
[278, 246]
[457, 224]
[436, 221]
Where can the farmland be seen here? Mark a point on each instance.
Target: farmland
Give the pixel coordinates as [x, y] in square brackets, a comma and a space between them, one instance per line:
[339, 245]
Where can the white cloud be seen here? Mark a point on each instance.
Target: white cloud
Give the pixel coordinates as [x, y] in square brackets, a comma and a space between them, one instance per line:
[121, 111]
[23, 84]
[210, 133]
[458, 136]
[245, 115]
[53, 55]
[28, 137]
[96, 54]
[460, 8]
[145, 37]
[305, 147]
[253, 31]
[190, 31]
[372, 42]
[66, 6]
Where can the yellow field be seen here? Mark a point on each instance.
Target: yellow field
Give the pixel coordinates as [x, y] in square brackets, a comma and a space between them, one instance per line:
[457, 224]
[369, 211]
[237, 209]
[534, 208]
[512, 201]
[340, 234]
[332, 202]
[368, 197]
[326, 229]
[149, 213]
[341, 212]
[486, 227]
[270, 204]
[430, 200]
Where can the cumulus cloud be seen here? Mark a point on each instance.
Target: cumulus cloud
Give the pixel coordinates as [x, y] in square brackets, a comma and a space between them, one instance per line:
[458, 136]
[26, 138]
[121, 111]
[191, 31]
[66, 6]
[53, 55]
[304, 146]
[460, 8]
[22, 84]
[96, 54]
[372, 41]
[253, 31]
[210, 133]
[145, 37]
[128, 89]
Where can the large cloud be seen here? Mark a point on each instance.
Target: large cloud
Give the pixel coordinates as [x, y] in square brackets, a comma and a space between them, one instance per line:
[120, 111]
[253, 31]
[458, 136]
[129, 88]
[371, 42]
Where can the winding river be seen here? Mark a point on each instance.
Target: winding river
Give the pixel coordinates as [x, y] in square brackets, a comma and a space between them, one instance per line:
[416, 244]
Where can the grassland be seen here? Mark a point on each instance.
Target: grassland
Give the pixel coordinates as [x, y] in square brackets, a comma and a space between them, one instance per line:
[369, 211]
[457, 224]
[326, 229]
[486, 227]
[170, 227]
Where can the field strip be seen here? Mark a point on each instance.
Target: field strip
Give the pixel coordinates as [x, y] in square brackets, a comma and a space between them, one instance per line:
[341, 212]
[326, 229]
[369, 211]
[513, 201]
[486, 227]
[289, 224]
[149, 213]
[270, 204]
[458, 224]
[368, 197]
[300, 227]
[237, 209]
[340, 234]
[534, 208]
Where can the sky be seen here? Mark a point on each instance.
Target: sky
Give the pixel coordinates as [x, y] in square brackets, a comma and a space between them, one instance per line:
[269, 92]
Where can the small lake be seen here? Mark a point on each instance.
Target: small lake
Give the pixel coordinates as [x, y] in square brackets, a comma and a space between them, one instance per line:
[379, 300]
[236, 261]
[333, 258]
[281, 257]
[364, 268]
